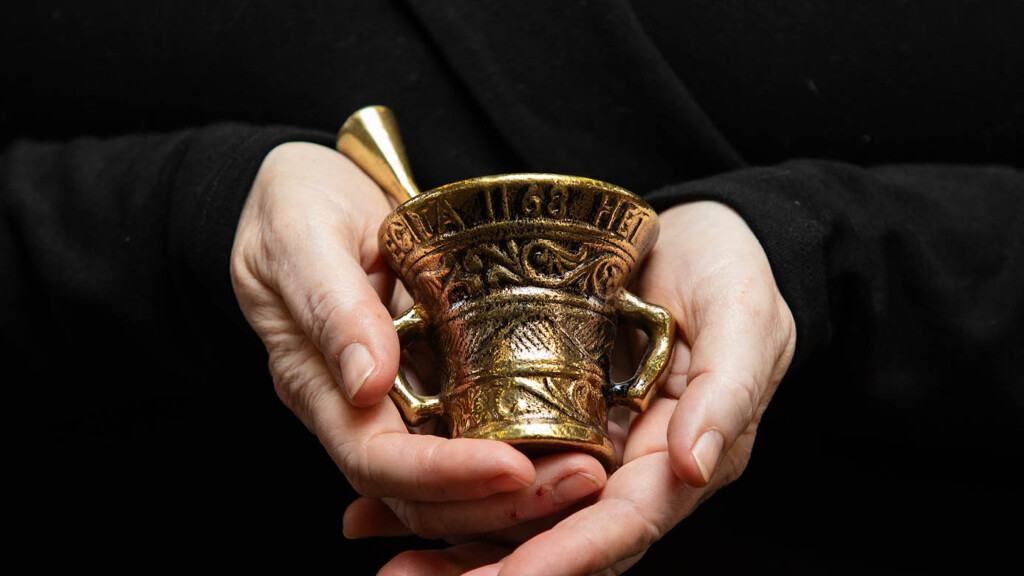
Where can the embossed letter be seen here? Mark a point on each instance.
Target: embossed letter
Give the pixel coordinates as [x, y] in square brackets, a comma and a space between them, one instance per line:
[606, 209]
[448, 219]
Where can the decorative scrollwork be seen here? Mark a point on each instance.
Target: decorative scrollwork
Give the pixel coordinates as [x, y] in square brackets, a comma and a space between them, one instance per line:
[544, 263]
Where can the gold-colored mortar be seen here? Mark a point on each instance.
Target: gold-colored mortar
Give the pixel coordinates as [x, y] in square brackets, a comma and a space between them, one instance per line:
[519, 283]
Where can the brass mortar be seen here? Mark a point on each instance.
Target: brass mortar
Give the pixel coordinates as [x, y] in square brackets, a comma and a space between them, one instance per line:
[519, 283]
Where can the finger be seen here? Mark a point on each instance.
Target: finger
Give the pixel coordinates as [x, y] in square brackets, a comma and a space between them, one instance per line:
[330, 295]
[433, 469]
[641, 502]
[647, 434]
[524, 531]
[378, 455]
[739, 343]
[561, 480]
[430, 468]
[709, 270]
[623, 565]
[489, 570]
[452, 561]
[647, 430]
[618, 431]
[371, 517]
[373, 448]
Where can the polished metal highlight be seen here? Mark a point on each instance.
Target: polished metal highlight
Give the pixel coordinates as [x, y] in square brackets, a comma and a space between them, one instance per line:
[370, 139]
[519, 283]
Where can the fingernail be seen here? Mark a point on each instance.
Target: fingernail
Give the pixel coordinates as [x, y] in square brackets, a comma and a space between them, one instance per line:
[573, 487]
[356, 366]
[505, 483]
[706, 452]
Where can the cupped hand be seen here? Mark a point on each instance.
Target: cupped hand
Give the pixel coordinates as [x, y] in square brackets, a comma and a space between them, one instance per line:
[736, 338]
[309, 278]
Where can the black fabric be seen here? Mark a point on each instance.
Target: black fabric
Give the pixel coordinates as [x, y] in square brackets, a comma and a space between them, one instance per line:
[874, 150]
[906, 82]
[552, 106]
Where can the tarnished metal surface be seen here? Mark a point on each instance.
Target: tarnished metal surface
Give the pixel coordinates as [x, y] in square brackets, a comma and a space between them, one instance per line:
[519, 283]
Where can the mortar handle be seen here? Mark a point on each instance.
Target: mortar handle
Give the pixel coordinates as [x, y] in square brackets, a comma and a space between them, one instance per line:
[416, 409]
[637, 392]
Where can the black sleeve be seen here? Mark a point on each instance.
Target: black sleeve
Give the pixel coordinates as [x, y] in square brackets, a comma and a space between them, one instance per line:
[115, 287]
[126, 231]
[926, 259]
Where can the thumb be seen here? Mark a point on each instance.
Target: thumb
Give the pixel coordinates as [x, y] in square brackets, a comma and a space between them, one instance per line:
[343, 316]
[315, 221]
[741, 348]
[711, 272]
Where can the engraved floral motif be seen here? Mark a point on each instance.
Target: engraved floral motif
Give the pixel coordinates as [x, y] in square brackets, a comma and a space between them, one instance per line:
[461, 274]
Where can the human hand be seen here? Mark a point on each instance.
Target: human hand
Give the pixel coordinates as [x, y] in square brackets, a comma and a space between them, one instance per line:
[308, 276]
[736, 340]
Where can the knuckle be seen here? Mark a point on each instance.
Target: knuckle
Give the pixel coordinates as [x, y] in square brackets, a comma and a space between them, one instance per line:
[332, 317]
[647, 530]
[311, 396]
[429, 464]
[238, 265]
[295, 386]
[735, 461]
[322, 314]
[352, 459]
[329, 318]
[753, 394]
[785, 328]
[745, 395]
[247, 269]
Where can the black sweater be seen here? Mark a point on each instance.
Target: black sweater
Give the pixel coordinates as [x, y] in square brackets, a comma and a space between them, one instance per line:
[875, 152]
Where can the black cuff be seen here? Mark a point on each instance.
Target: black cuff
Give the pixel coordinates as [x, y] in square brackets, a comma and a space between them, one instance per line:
[217, 173]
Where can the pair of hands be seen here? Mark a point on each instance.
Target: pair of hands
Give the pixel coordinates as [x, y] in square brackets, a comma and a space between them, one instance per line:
[310, 281]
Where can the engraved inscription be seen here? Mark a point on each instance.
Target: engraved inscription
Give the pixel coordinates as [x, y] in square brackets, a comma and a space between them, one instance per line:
[539, 201]
[435, 217]
[618, 215]
[398, 239]
[503, 202]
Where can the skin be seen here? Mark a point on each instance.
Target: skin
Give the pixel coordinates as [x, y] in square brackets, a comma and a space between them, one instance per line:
[310, 281]
[308, 277]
